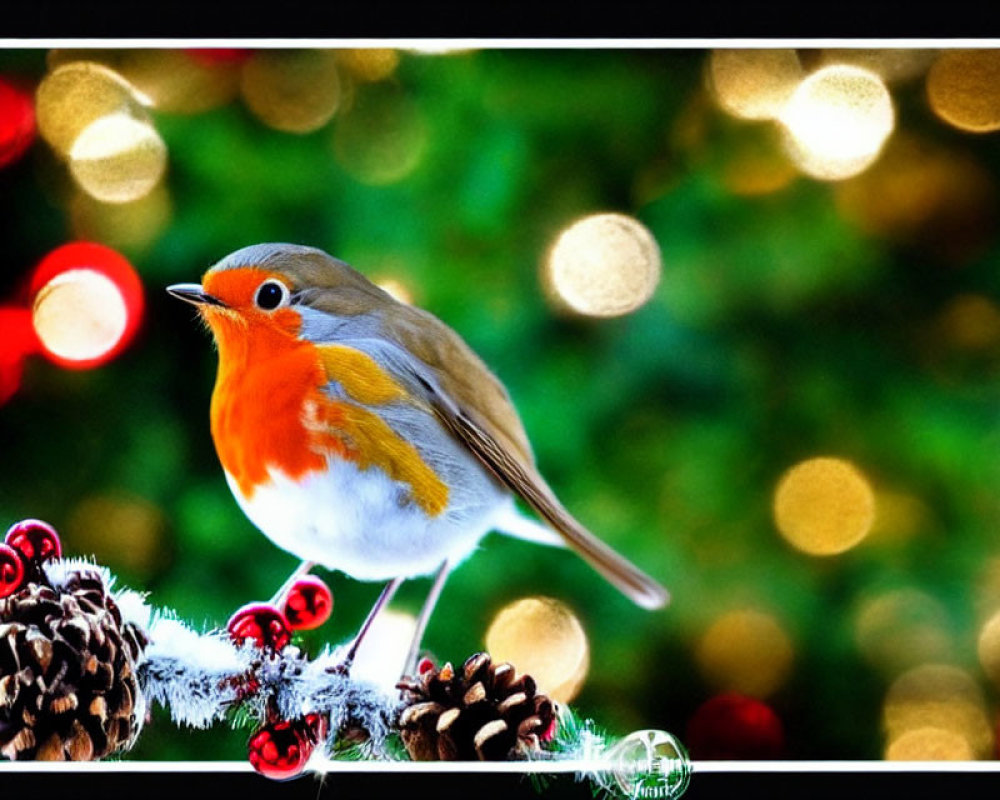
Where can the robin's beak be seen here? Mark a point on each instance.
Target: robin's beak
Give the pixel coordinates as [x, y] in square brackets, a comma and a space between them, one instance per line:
[194, 294]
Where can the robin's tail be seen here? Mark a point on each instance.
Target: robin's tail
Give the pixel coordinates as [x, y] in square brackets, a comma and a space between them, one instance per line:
[518, 473]
[635, 584]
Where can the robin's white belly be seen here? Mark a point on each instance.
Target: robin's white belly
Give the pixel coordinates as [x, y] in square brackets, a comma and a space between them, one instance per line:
[365, 524]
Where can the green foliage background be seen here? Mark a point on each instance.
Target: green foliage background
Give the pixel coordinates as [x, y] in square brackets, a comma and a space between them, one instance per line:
[780, 330]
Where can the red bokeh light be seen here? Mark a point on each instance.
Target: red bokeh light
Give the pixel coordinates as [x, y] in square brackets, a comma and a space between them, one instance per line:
[112, 265]
[17, 122]
[212, 56]
[17, 340]
[734, 727]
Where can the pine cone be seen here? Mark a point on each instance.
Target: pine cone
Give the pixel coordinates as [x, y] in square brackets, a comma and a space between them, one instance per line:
[482, 711]
[68, 687]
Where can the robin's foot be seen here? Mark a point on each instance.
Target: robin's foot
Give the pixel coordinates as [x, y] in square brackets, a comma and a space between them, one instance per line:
[344, 667]
[413, 656]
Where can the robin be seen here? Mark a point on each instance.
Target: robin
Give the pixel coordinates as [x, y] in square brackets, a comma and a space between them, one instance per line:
[363, 434]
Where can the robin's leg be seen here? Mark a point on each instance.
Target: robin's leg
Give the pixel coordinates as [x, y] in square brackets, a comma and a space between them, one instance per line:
[300, 570]
[344, 666]
[410, 665]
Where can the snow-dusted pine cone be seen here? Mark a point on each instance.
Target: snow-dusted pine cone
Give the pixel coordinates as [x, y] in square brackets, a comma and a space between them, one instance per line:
[483, 711]
[68, 687]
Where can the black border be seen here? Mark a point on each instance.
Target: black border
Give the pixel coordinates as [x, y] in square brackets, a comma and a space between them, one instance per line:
[299, 19]
[814, 785]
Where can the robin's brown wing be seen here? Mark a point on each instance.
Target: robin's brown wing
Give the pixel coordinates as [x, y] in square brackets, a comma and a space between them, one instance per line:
[461, 375]
[472, 403]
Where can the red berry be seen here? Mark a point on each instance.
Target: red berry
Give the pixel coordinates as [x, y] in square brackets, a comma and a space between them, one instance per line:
[263, 623]
[308, 604]
[11, 570]
[280, 749]
[35, 540]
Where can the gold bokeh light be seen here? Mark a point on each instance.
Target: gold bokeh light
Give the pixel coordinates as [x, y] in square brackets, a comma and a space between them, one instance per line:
[745, 651]
[540, 636]
[165, 79]
[971, 322]
[963, 89]
[369, 64]
[603, 265]
[837, 120]
[988, 647]
[383, 138]
[753, 83]
[79, 315]
[939, 696]
[74, 95]
[93, 118]
[923, 195]
[898, 629]
[177, 83]
[396, 289]
[125, 226]
[824, 506]
[296, 91]
[752, 171]
[929, 743]
[901, 516]
[892, 64]
[118, 158]
[129, 528]
[987, 588]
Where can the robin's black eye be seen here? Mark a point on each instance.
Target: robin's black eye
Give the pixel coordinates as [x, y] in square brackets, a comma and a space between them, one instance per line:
[271, 294]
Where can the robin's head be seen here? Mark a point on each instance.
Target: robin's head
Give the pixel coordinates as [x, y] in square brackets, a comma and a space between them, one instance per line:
[282, 289]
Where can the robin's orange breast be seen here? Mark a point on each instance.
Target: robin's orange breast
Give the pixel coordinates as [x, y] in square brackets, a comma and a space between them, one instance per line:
[270, 410]
[257, 419]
